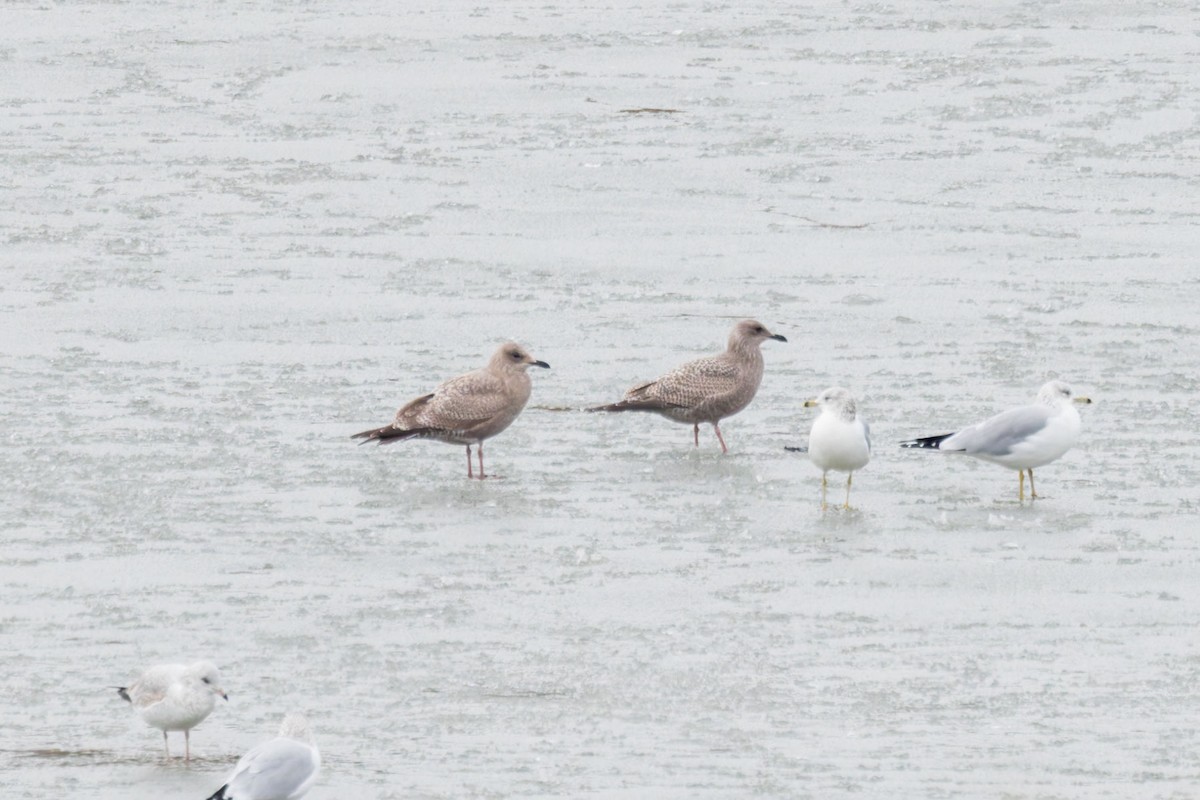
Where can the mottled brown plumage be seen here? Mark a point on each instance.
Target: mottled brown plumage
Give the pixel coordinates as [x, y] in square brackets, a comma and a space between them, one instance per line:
[707, 389]
[467, 409]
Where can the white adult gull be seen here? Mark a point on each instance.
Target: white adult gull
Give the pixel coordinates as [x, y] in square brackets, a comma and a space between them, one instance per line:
[840, 438]
[1021, 438]
[467, 409]
[283, 768]
[707, 389]
[175, 697]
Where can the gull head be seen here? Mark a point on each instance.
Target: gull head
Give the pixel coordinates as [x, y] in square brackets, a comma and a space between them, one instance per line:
[511, 356]
[295, 726]
[1057, 393]
[751, 332]
[206, 672]
[835, 400]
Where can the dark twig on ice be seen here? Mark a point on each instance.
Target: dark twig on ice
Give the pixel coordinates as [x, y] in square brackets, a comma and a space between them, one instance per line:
[817, 222]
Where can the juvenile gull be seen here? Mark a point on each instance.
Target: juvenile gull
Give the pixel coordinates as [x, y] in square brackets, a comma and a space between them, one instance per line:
[1021, 438]
[707, 389]
[840, 439]
[283, 768]
[175, 697]
[467, 409]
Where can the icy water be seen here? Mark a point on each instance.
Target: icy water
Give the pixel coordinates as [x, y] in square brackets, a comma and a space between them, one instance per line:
[236, 234]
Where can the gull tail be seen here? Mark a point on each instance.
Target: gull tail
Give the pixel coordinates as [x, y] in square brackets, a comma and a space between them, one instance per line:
[219, 794]
[390, 433]
[927, 442]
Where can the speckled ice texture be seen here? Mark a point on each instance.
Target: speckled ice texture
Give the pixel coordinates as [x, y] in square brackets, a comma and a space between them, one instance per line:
[234, 234]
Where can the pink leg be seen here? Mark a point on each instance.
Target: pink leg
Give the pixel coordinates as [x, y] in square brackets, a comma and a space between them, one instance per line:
[469, 473]
[187, 747]
[717, 428]
[696, 433]
[480, 448]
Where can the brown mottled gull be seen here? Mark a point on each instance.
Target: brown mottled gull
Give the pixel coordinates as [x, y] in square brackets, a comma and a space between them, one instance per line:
[467, 409]
[707, 389]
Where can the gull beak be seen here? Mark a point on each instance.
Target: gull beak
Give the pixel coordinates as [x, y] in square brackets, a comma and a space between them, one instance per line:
[221, 693]
[541, 364]
[779, 337]
[1086, 401]
[811, 404]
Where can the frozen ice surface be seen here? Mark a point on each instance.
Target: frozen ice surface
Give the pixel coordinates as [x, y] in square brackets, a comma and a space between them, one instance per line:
[235, 234]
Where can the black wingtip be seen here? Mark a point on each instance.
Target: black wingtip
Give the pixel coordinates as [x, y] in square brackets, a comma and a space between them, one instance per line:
[123, 691]
[219, 794]
[791, 449]
[926, 442]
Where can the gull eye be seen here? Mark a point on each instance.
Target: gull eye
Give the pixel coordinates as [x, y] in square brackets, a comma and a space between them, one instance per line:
[515, 355]
[206, 680]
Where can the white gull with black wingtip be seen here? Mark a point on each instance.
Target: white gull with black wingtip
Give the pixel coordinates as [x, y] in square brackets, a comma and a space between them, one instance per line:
[1021, 438]
[840, 438]
[283, 768]
[175, 697]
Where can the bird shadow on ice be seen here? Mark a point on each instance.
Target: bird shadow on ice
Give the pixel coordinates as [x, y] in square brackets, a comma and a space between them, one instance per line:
[841, 521]
[83, 756]
[89, 757]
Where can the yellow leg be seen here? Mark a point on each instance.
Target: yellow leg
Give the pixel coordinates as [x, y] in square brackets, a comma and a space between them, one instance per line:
[1032, 491]
[824, 485]
[849, 477]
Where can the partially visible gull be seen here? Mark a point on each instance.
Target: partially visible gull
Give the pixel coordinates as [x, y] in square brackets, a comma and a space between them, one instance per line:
[283, 768]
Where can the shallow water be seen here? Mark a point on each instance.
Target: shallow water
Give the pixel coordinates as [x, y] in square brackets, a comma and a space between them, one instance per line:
[235, 238]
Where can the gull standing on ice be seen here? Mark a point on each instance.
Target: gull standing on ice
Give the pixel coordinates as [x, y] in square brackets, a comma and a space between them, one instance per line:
[283, 768]
[467, 409]
[840, 439]
[175, 697]
[707, 389]
[1021, 438]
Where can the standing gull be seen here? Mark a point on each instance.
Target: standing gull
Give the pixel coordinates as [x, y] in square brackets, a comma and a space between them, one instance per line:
[175, 697]
[707, 389]
[283, 768]
[840, 439]
[1021, 438]
[467, 409]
